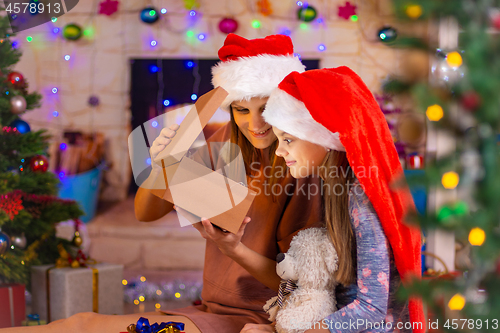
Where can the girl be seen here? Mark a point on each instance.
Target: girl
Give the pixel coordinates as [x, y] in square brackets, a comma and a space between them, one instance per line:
[328, 122]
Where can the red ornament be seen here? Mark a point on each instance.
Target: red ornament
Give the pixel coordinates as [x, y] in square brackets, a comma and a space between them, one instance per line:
[39, 163]
[11, 203]
[347, 11]
[16, 79]
[496, 21]
[108, 7]
[228, 25]
[414, 161]
[471, 100]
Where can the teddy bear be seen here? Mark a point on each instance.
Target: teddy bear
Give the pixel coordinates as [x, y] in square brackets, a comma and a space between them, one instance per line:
[306, 294]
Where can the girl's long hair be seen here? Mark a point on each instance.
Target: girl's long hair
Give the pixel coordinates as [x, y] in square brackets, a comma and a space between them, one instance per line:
[337, 174]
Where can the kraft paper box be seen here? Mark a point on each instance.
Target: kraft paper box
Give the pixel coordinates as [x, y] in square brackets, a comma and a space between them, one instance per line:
[197, 189]
[74, 290]
[12, 305]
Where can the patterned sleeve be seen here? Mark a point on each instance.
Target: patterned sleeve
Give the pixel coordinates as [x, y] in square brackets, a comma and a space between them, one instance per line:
[373, 268]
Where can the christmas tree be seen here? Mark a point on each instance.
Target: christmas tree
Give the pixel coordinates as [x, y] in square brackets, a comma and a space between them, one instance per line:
[29, 207]
[461, 100]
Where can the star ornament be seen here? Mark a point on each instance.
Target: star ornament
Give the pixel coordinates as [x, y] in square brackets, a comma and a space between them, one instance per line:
[347, 11]
[108, 7]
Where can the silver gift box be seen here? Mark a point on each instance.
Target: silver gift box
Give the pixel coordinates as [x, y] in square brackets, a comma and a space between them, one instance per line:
[71, 290]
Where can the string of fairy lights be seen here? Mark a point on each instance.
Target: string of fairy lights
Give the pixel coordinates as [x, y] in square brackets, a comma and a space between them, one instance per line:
[196, 31]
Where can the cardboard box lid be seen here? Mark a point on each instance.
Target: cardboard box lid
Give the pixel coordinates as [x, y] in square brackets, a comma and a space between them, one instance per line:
[191, 127]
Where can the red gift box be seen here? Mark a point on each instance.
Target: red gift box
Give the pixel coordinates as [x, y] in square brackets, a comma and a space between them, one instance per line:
[12, 305]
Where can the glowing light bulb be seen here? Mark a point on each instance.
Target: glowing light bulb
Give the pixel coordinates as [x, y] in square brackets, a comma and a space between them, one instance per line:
[124, 282]
[299, 3]
[148, 161]
[153, 68]
[141, 298]
[163, 10]
[54, 90]
[154, 124]
[136, 301]
[201, 36]
[61, 174]
[256, 24]
[189, 64]
[190, 33]
[194, 97]
[143, 279]
[457, 302]
[177, 295]
[54, 19]
[192, 13]
[414, 11]
[321, 47]
[303, 26]
[166, 102]
[157, 305]
[55, 30]
[434, 112]
[29, 39]
[67, 57]
[454, 59]
[450, 180]
[477, 236]
[154, 43]
[63, 146]
[354, 18]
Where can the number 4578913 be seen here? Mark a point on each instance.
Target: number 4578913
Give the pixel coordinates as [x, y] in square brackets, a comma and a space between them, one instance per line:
[33, 8]
[471, 324]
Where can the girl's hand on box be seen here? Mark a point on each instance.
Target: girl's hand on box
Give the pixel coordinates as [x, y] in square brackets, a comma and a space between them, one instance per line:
[227, 242]
[161, 142]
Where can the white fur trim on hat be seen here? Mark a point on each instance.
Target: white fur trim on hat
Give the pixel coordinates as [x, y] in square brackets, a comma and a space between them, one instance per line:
[255, 76]
[288, 114]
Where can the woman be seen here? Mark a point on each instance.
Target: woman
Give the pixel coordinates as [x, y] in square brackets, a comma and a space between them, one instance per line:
[234, 290]
[328, 123]
[233, 293]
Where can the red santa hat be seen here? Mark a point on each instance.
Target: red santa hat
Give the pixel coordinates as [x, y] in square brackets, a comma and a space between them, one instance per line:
[253, 67]
[333, 108]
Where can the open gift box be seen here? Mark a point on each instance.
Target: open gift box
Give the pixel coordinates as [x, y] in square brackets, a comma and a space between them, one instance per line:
[219, 195]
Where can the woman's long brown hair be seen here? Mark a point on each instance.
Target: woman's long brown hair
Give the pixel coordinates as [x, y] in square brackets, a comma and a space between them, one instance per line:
[252, 154]
[337, 174]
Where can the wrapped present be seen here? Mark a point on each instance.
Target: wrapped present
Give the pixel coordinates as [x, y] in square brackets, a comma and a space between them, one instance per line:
[62, 292]
[12, 305]
[33, 320]
[143, 326]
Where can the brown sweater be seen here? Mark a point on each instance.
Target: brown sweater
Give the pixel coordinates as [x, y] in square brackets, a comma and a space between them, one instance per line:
[231, 296]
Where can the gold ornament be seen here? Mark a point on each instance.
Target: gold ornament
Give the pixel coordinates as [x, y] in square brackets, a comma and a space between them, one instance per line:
[75, 264]
[77, 240]
[411, 129]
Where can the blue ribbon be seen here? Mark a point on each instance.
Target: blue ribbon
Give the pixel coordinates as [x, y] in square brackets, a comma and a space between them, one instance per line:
[143, 326]
[34, 317]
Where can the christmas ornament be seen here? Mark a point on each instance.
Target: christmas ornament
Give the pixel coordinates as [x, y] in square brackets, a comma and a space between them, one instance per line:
[149, 15]
[21, 126]
[450, 180]
[477, 237]
[457, 302]
[387, 34]
[496, 21]
[39, 163]
[19, 241]
[346, 11]
[4, 242]
[11, 203]
[72, 32]
[77, 240]
[228, 25]
[306, 13]
[445, 74]
[93, 100]
[470, 100]
[414, 161]
[108, 7]
[264, 7]
[411, 129]
[16, 79]
[17, 104]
